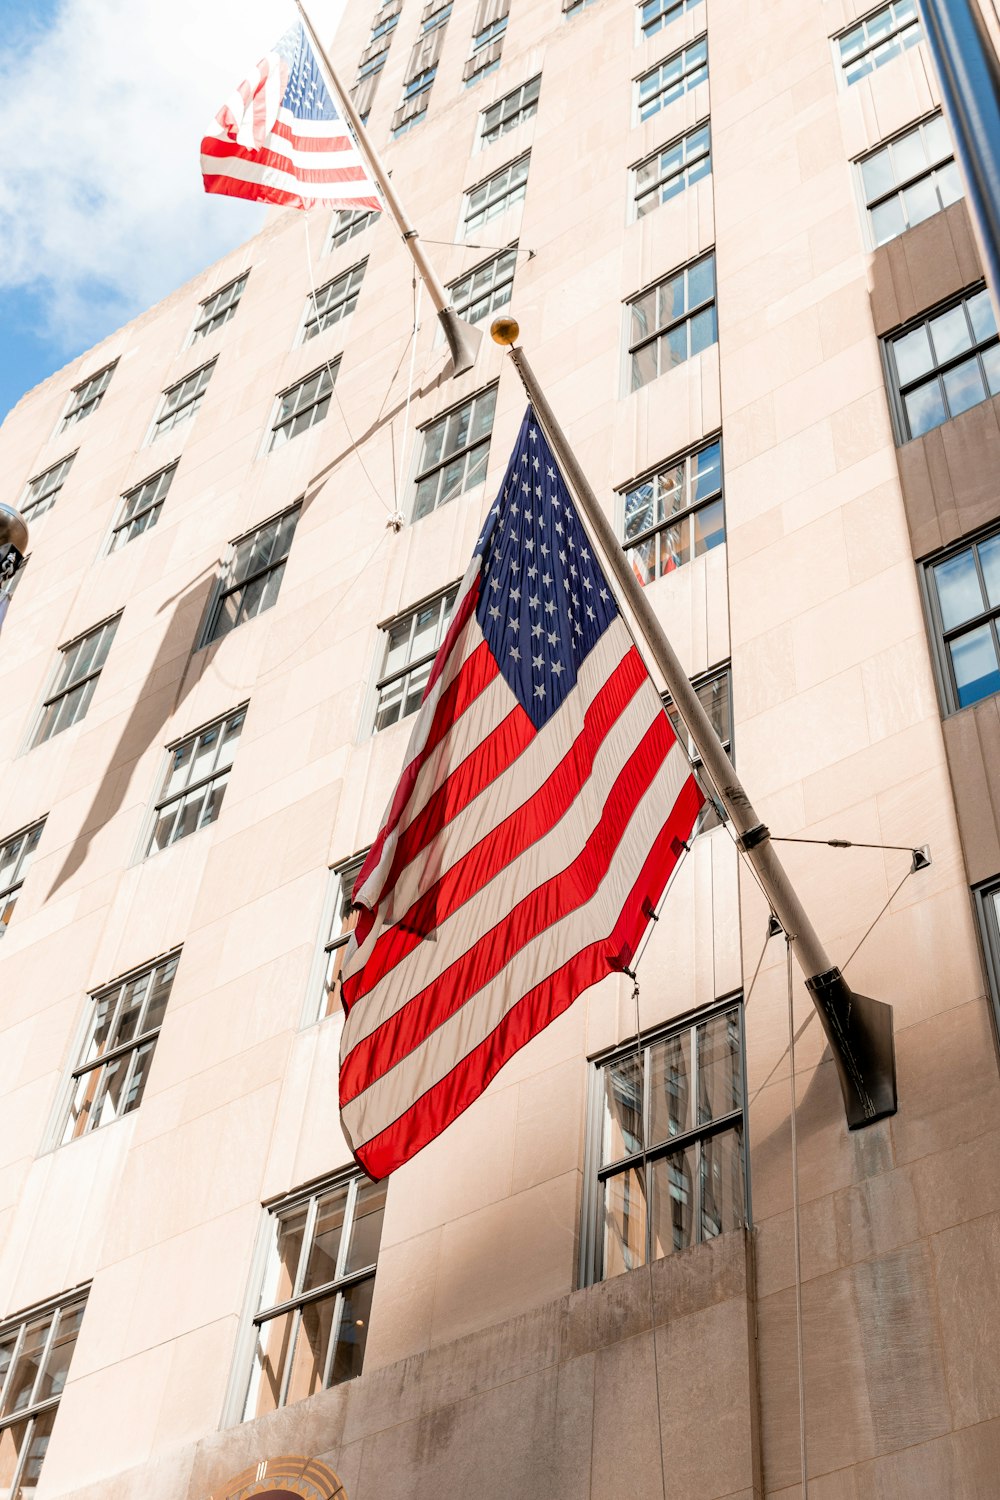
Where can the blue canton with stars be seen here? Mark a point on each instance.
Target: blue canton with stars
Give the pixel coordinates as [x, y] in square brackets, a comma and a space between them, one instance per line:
[306, 95]
[544, 602]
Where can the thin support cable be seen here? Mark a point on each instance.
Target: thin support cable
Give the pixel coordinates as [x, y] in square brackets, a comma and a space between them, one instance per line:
[403, 461]
[746, 997]
[649, 1257]
[333, 379]
[778, 838]
[878, 919]
[796, 1233]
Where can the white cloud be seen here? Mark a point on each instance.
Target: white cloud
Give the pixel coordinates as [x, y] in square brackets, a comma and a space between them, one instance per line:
[102, 210]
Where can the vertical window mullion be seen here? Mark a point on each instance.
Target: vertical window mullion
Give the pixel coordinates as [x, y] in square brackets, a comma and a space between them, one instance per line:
[331, 1348]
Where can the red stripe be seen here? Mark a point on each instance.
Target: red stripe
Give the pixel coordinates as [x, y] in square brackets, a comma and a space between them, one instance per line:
[504, 843]
[449, 1098]
[554, 899]
[341, 142]
[404, 789]
[260, 192]
[265, 158]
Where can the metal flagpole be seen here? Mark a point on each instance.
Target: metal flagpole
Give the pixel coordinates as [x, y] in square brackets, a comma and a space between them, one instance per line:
[969, 73]
[858, 1028]
[463, 338]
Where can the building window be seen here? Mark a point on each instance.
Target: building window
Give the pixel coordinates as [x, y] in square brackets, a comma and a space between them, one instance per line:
[343, 920]
[42, 492]
[140, 507]
[76, 679]
[487, 45]
[434, 16]
[494, 196]
[963, 591]
[667, 1144]
[715, 693]
[16, 854]
[122, 1030]
[253, 577]
[415, 101]
[195, 781]
[486, 288]
[218, 309]
[311, 1323]
[332, 302]
[371, 67]
[987, 900]
[347, 222]
[672, 322]
[573, 8]
[877, 39]
[408, 651]
[675, 514]
[384, 26]
[182, 401]
[509, 112]
[454, 453]
[672, 79]
[36, 1348]
[87, 397]
[655, 14]
[302, 405]
[671, 169]
[909, 179]
[943, 364]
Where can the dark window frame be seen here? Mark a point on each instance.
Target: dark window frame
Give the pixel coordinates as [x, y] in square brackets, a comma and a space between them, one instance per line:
[321, 398]
[510, 118]
[41, 1411]
[445, 599]
[341, 293]
[339, 926]
[597, 1171]
[84, 401]
[669, 10]
[661, 332]
[465, 302]
[681, 174]
[61, 689]
[215, 312]
[880, 199]
[424, 470]
[126, 520]
[685, 514]
[168, 417]
[986, 905]
[898, 390]
[348, 222]
[911, 24]
[499, 202]
[688, 71]
[205, 783]
[941, 636]
[21, 862]
[32, 505]
[344, 1281]
[231, 583]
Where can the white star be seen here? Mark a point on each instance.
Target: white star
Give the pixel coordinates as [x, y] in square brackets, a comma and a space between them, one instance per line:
[524, 458]
[572, 570]
[529, 544]
[557, 668]
[560, 528]
[515, 594]
[547, 580]
[604, 595]
[543, 549]
[562, 554]
[578, 628]
[586, 583]
[526, 487]
[514, 510]
[535, 462]
[515, 566]
[550, 471]
[494, 584]
[538, 662]
[536, 630]
[515, 653]
[514, 624]
[585, 555]
[539, 690]
[494, 612]
[538, 491]
[570, 543]
[532, 572]
[533, 434]
[533, 601]
[552, 638]
[550, 608]
[576, 600]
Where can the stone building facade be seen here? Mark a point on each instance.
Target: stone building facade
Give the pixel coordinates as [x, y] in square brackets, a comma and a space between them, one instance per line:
[744, 270]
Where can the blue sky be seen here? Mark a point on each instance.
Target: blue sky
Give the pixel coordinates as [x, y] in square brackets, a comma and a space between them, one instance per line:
[102, 210]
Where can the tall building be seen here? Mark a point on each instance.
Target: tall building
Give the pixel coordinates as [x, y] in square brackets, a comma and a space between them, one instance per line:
[736, 241]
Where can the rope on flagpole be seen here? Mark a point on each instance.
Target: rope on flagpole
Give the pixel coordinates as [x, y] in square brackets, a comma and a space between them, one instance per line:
[404, 458]
[796, 1231]
[333, 380]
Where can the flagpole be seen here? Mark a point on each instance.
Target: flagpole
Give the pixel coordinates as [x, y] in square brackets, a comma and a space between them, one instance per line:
[463, 338]
[858, 1028]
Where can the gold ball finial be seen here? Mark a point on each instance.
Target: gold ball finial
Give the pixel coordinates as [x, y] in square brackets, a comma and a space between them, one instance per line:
[504, 330]
[13, 528]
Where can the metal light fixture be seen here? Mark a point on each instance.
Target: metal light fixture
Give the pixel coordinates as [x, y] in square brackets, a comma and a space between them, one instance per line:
[13, 531]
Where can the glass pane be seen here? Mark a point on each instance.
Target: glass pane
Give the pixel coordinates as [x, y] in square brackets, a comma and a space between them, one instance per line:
[964, 386]
[673, 347]
[7, 1345]
[12, 1444]
[163, 978]
[139, 1075]
[722, 1180]
[283, 1261]
[877, 175]
[178, 769]
[321, 1265]
[709, 527]
[921, 200]
[61, 1352]
[714, 698]
[701, 282]
[888, 220]
[639, 509]
[909, 156]
[950, 334]
[949, 183]
[366, 1233]
[452, 476]
[213, 796]
[355, 1314]
[270, 1356]
[85, 1092]
[131, 1006]
[703, 330]
[624, 1221]
[389, 704]
[706, 472]
[643, 315]
[426, 629]
[204, 754]
[720, 1080]
[622, 1133]
[925, 408]
[989, 559]
[959, 593]
[38, 1444]
[643, 366]
[21, 1380]
[672, 1208]
[312, 1340]
[643, 560]
[669, 1087]
[974, 659]
[981, 313]
[913, 355]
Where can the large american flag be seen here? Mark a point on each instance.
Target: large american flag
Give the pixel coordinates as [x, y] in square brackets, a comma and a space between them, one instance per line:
[542, 807]
[280, 139]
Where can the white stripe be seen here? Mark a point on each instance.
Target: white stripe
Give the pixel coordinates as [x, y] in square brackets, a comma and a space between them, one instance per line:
[313, 161]
[541, 861]
[334, 129]
[391, 1095]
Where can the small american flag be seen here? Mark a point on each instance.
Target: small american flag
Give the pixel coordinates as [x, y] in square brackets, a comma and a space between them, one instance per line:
[279, 138]
[542, 808]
